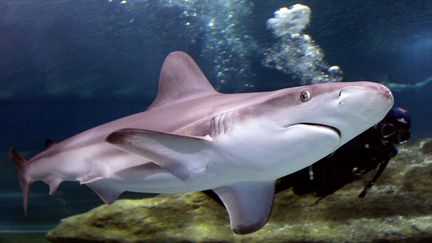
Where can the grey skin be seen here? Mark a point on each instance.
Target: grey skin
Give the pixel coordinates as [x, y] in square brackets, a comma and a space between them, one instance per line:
[193, 138]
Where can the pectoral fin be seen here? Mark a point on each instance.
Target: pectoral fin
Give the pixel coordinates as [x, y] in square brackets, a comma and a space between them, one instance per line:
[249, 204]
[181, 155]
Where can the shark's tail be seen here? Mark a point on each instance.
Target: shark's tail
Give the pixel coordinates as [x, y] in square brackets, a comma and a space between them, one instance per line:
[24, 180]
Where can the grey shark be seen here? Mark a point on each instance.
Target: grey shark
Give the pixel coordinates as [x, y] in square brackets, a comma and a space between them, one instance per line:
[194, 138]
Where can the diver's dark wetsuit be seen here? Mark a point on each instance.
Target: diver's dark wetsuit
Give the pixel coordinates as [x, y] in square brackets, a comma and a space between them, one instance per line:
[347, 164]
[371, 149]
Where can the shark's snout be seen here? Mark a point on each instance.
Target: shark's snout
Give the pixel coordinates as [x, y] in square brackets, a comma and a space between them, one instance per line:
[367, 92]
[386, 92]
[382, 90]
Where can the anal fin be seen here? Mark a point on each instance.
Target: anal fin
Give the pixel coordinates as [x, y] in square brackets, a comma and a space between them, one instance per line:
[53, 181]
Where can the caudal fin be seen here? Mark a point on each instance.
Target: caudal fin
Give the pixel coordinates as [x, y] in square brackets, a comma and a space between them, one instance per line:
[24, 180]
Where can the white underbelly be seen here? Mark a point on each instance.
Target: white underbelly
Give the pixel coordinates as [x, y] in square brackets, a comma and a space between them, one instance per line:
[151, 178]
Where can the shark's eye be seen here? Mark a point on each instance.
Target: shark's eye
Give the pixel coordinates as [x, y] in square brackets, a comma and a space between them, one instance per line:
[304, 96]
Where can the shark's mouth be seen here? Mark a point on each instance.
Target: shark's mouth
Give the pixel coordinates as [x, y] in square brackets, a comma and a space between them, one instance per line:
[324, 126]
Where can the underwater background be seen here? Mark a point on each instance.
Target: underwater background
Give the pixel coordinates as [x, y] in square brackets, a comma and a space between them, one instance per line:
[66, 66]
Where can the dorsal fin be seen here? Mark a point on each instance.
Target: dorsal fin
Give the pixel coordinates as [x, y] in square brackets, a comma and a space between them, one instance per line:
[180, 79]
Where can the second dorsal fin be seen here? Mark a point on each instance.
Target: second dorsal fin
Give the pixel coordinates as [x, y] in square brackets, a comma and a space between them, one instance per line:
[180, 79]
[48, 143]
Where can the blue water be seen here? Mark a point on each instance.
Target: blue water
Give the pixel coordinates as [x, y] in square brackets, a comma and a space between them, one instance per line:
[66, 66]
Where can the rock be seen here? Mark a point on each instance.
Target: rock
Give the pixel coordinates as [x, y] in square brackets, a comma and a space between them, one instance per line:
[426, 146]
[398, 208]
